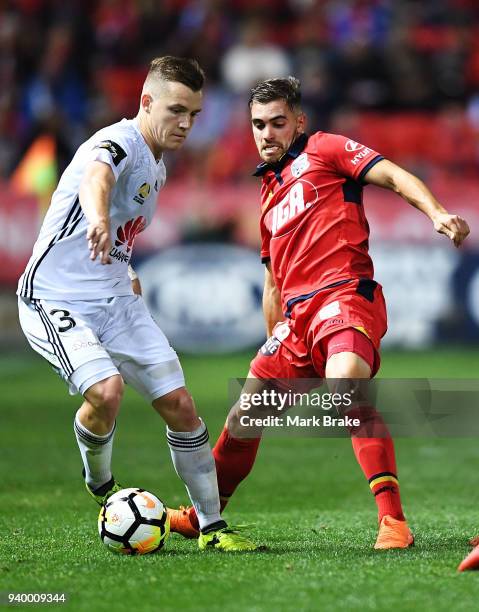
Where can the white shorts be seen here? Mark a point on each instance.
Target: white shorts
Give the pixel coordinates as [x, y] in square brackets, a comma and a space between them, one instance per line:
[92, 340]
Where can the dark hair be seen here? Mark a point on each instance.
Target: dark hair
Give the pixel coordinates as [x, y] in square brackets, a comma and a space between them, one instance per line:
[179, 69]
[288, 89]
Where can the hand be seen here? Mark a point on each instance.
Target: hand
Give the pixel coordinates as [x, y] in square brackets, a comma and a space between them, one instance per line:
[453, 226]
[99, 243]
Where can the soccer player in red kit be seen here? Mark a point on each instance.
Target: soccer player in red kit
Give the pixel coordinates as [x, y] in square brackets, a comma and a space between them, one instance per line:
[324, 311]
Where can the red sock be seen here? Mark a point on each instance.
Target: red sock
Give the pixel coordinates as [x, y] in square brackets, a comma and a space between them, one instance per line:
[378, 462]
[234, 458]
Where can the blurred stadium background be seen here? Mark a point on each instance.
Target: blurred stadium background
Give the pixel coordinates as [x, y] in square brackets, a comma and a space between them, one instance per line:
[399, 76]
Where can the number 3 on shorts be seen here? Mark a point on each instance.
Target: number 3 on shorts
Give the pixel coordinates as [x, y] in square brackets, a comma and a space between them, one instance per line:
[66, 318]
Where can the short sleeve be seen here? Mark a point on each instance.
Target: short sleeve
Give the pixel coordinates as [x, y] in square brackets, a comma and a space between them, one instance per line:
[116, 152]
[348, 157]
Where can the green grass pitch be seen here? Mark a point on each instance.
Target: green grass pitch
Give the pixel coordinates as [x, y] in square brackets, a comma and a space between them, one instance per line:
[306, 500]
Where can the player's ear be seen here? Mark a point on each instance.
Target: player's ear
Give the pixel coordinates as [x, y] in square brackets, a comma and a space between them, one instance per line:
[301, 123]
[146, 101]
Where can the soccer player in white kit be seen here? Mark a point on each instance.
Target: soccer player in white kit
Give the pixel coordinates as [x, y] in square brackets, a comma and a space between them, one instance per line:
[76, 303]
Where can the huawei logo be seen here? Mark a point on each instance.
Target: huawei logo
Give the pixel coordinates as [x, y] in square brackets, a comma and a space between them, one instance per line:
[127, 233]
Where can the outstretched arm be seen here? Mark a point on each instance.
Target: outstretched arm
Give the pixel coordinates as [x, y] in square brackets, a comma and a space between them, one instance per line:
[413, 190]
[95, 191]
[271, 301]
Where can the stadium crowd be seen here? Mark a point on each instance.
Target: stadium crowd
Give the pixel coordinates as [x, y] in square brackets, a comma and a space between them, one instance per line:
[368, 68]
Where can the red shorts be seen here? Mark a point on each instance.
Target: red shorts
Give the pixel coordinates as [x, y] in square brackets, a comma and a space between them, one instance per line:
[351, 317]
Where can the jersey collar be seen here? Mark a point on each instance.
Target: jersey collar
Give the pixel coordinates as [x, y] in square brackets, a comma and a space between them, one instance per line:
[292, 153]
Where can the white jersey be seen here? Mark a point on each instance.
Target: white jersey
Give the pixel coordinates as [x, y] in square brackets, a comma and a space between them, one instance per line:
[60, 266]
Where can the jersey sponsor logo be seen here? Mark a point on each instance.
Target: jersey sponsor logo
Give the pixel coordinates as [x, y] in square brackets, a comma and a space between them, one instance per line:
[143, 192]
[125, 235]
[352, 145]
[115, 150]
[331, 310]
[116, 254]
[360, 156]
[293, 204]
[85, 344]
[300, 165]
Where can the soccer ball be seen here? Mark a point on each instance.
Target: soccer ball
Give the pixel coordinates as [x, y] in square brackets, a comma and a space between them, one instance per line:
[133, 522]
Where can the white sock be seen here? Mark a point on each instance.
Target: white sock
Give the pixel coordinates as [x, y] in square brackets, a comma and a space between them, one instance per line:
[96, 454]
[195, 465]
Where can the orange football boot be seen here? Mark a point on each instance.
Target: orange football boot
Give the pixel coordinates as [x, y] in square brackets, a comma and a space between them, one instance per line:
[471, 561]
[393, 534]
[180, 522]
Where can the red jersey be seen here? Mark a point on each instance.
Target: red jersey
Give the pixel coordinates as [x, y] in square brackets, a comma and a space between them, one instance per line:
[313, 227]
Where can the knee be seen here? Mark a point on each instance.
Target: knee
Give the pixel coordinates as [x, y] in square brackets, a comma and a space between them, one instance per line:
[105, 396]
[178, 410]
[246, 424]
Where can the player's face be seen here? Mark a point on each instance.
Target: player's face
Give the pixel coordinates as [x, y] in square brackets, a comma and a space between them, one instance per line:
[275, 127]
[171, 114]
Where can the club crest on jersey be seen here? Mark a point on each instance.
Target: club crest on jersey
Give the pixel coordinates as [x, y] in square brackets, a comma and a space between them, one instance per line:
[281, 331]
[143, 193]
[115, 150]
[125, 236]
[300, 165]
